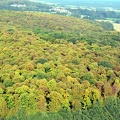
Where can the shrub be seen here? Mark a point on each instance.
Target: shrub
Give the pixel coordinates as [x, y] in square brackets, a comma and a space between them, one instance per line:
[42, 60]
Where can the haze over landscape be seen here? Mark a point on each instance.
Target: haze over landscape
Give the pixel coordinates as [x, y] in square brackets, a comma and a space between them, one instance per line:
[92, 3]
[59, 59]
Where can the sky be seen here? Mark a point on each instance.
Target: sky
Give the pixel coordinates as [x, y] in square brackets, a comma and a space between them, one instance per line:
[78, 0]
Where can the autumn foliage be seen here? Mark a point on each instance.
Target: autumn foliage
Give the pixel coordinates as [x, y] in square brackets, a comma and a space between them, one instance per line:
[50, 63]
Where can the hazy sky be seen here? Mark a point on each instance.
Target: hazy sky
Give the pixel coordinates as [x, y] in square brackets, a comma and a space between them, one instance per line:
[79, 0]
[76, 0]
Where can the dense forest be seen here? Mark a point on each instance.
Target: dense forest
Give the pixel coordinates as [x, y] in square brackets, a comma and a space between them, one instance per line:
[95, 14]
[56, 67]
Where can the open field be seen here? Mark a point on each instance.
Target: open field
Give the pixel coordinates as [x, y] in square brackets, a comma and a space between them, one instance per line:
[116, 27]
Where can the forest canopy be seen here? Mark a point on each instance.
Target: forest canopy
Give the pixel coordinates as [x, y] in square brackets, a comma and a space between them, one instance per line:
[52, 63]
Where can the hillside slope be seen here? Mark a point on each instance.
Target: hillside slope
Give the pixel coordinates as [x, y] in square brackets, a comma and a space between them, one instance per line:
[59, 27]
[50, 63]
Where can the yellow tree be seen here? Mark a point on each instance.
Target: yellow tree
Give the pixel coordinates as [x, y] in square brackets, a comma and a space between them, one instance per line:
[3, 107]
[54, 100]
